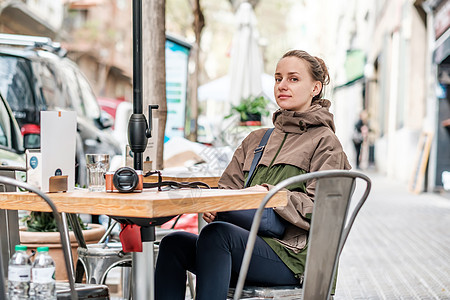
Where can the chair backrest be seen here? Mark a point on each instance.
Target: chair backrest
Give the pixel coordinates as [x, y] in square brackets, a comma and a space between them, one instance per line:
[77, 230]
[9, 219]
[9, 171]
[62, 229]
[2, 277]
[330, 225]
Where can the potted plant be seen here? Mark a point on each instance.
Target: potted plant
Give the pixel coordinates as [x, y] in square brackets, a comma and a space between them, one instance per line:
[41, 230]
[38, 221]
[250, 110]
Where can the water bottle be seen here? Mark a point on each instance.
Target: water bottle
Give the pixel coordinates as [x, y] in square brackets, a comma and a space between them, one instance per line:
[19, 274]
[43, 276]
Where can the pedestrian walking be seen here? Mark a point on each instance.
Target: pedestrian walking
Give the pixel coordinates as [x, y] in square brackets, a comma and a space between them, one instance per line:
[302, 141]
[360, 134]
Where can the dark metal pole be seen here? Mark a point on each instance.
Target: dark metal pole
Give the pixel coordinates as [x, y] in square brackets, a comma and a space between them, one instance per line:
[137, 125]
[137, 57]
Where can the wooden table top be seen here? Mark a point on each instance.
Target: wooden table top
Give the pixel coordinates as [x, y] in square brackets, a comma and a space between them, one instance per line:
[212, 181]
[148, 204]
[210, 177]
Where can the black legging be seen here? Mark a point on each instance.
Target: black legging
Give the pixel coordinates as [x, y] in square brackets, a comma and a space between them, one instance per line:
[215, 256]
[358, 153]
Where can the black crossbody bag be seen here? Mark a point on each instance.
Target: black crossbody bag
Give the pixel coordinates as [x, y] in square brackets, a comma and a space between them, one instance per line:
[272, 225]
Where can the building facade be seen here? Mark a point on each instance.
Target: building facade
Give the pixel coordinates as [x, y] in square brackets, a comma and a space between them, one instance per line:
[99, 40]
[390, 59]
[438, 97]
[31, 17]
[97, 35]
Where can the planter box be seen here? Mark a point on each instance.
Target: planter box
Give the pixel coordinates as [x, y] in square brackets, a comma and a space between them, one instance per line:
[52, 240]
[252, 120]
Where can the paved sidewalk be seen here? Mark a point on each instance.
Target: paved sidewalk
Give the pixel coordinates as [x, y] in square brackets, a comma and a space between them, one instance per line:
[399, 246]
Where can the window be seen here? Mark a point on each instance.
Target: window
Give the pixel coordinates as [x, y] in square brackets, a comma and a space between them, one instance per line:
[5, 132]
[83, 99]
[15, 86]
[89, 100]
[3, 138]
[72, 90]
[50, 86]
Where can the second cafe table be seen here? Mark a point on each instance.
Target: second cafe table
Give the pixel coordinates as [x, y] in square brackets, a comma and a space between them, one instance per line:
[212, 181]
[148, 204]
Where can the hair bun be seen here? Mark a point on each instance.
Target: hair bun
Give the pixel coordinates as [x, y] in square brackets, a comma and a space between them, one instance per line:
[326, 76]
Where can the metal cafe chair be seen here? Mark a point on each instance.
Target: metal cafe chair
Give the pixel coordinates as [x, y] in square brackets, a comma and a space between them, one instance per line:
[2, 278]
[68, 290]
[96, 260]
[332, 219]
[9, 219]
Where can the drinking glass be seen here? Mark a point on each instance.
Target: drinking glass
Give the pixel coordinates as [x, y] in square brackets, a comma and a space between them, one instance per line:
[97, 165]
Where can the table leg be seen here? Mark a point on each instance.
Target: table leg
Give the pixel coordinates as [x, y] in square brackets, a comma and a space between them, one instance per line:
[201, 223]
[126, 283]
[143, 267]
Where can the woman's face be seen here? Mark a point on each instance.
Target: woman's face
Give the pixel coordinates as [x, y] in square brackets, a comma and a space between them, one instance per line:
[294, 86]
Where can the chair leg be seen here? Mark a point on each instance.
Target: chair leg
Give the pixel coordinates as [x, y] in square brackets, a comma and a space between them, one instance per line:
[126, 283]
[79, 272]
[66, 233]
[191, 284]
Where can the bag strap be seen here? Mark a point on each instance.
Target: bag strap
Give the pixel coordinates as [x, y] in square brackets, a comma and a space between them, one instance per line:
[258, 153]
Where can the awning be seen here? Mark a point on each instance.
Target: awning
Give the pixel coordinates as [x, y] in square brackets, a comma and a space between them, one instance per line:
[355, 61]
[16, 16]
[443, 50]
[83, 4]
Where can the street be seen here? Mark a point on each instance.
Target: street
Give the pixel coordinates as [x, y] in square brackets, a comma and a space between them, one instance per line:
[399, 246]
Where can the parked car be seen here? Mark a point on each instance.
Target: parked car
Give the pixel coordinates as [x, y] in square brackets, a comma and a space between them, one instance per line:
[121, 111]
[110, 105]
[35, 75]
[11, 147]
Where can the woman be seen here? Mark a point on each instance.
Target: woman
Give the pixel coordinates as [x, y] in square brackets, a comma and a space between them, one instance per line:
[359, 135]
[303, 141]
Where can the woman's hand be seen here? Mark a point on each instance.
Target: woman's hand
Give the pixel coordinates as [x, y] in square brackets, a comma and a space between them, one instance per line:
[257, 188]
[209, 216]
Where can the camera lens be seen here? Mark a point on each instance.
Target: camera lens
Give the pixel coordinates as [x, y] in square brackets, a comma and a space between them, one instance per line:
[125, 180]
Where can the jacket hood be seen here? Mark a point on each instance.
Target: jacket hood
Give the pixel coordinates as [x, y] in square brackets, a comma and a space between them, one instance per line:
[299, 122]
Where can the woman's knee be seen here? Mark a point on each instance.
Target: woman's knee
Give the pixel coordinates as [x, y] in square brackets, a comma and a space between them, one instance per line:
[219, 232]
[215, 228]
[177, 240]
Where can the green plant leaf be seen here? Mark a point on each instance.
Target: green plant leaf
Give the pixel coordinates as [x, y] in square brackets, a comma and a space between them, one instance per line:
[252, 105]
[45, 222]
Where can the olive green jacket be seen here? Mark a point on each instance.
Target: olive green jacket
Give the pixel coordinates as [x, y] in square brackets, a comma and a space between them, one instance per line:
[305, 140]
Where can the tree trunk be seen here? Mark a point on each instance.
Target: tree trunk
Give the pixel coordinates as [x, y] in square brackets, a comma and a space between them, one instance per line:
[198, 24]
[154, 67]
